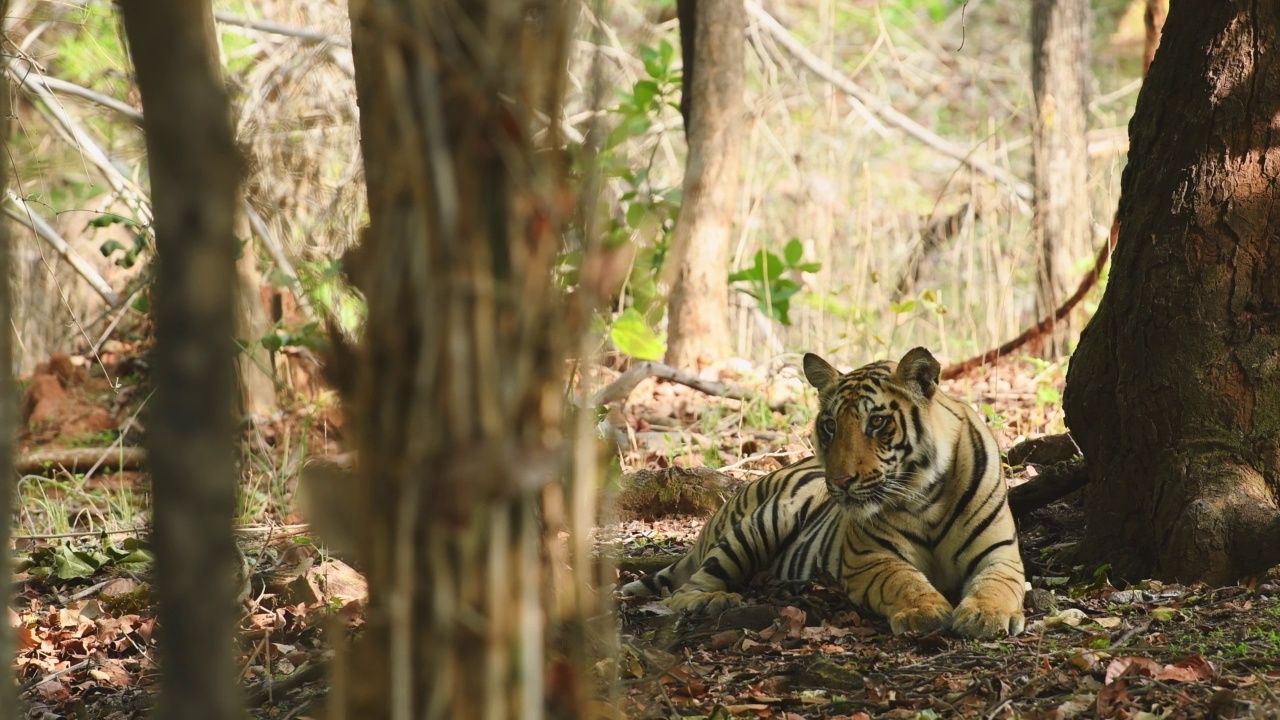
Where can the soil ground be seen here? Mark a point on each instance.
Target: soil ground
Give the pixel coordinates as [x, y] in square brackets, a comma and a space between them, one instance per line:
[87, 628]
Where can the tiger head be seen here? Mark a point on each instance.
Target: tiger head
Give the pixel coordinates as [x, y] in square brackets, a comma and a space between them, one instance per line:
[872, 433]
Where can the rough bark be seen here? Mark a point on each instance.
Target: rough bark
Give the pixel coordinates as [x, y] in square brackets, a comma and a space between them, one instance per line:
[1060, 31]
[1174, 392]
[194, 171]
[698, 325]
[455, 389]
[8, 412]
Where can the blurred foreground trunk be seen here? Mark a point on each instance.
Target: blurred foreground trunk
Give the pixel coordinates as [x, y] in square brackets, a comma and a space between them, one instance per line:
[455, 393]
[8, 413]
[194, 171]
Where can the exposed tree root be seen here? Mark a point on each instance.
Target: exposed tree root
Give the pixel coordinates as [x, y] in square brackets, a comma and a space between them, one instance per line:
[1052, 484]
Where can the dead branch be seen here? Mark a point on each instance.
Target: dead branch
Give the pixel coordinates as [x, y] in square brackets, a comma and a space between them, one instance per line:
[620, 389]
[883, 110]
[39, 461]
[271, 28]
[1090, 279]
[1052, 484]
[47, 233]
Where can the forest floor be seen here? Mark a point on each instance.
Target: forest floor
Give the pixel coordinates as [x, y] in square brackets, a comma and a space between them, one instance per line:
[86, 625]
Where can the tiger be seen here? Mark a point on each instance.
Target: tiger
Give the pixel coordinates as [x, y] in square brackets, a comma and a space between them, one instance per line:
[903, 503]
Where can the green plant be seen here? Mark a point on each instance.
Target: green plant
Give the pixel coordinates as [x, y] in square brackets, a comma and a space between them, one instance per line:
[634, 338]
[770, 279]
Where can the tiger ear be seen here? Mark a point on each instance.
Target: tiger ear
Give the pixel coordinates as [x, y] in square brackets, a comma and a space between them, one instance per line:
[919, 371]
[819, 372]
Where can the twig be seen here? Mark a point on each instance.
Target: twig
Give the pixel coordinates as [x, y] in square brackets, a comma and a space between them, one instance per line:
[37, 682]
[47, 233]
[1046, 324]
[69, 88]
[620, 389]
[126, 188]
[882, 109]
[271, 28]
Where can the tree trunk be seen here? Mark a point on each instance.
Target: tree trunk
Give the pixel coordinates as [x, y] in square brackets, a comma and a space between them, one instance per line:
[687, 18]
[1153, 22]
[1174, 392]
[1060, 31]
[253, 362]
[698, 325]
[456, 387]
[8, 412]
[194, 172]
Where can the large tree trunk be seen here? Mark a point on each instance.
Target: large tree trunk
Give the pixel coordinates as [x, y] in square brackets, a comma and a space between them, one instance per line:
[698, 325]
[1174, 391]
[194, 172]
[456, 387]
[1060, 31]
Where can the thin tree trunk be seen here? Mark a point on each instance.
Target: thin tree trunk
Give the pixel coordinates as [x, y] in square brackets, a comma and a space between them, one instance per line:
[1060, 31]
[253, 362]
[1173, 391]
[194, 171]
[698, 326]
[8, 413]
[457, 384]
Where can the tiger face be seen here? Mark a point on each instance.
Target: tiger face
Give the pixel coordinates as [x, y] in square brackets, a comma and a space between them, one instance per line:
[871, 433]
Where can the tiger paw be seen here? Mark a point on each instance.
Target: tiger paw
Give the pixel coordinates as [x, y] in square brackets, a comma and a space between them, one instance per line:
[699, 602]
[977, 618]
[931, 613]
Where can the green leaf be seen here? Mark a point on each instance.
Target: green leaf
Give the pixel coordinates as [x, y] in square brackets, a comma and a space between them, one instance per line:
[69, 564]
[811, 267]
[107, 220]
[905, 306]
[644, 93]
[633, 337]
[111, 246]
[752, 274]
[793, 251]
[636, 213]
[666, 52]
[770, 265]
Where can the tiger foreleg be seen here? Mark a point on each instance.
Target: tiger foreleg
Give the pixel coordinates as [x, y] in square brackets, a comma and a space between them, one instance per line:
[897, 591]
[992, 604]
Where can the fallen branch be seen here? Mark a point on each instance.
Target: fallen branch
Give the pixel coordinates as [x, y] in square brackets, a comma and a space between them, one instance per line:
[882, 109]
[620, 389]
[43, 230]
[1052, 484]
[1047, 323]
[39, 461]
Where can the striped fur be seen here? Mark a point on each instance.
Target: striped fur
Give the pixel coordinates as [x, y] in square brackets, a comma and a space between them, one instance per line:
[904, 504]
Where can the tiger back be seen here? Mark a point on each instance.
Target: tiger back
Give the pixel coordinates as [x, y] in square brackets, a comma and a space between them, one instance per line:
[904, 503]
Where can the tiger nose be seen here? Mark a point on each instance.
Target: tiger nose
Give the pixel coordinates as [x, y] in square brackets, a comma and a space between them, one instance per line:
[842, 482]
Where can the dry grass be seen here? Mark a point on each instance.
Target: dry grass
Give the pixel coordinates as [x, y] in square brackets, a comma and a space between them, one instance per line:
[818, 166]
